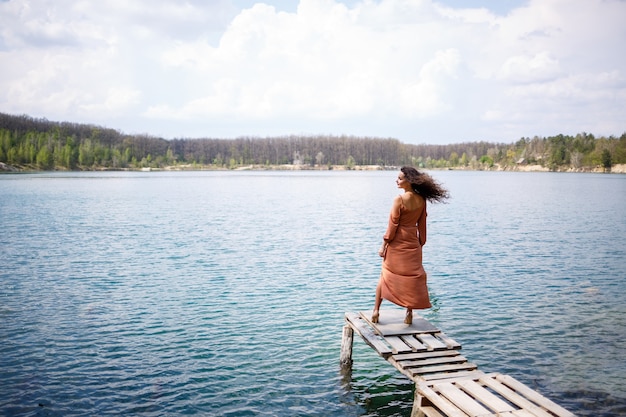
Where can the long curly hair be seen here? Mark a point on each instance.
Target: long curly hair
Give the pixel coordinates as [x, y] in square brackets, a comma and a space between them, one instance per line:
[424, 185]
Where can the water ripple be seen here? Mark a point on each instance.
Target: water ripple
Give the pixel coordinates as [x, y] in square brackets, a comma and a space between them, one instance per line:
[172, 294]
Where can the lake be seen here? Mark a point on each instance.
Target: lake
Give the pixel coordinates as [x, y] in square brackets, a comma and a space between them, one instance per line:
[223, 293]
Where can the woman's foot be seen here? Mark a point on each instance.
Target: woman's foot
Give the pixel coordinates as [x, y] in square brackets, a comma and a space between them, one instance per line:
[375, 316]
[408, 319]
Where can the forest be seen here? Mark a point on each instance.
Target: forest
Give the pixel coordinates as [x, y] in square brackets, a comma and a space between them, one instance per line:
[28, 143]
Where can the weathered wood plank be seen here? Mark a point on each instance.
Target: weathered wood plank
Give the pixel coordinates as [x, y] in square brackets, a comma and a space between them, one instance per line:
[521, 413]
[450, 343]
[534, 396]
[391, 323]
[372, 339]
[516, 413]
[451, 377]
[398, 345]
[430, 412]
[413, 342]
[421, 370]
[425, 355]
[434, 361]
[514, 397]
[431, 342]
[460, 399]
[487, 398]
[446, 407]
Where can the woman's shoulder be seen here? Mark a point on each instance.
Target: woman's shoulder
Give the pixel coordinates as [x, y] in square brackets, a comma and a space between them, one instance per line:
[397, 203]
[412, 201]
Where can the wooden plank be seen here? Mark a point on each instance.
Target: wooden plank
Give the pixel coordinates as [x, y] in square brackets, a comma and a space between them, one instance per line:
[512, 396]
[426, 355]
[403, 371]
[451, 376]
[460, 399]
[419, 325]
[366, 332]
[431, 342]
[522, 413]
[490, 400]
[450, 343]
[434, 361]
[413, 342]
[446, 407]
[391, 323]
[442, 368]
[534, 396]
[397, 344]
[431, 412]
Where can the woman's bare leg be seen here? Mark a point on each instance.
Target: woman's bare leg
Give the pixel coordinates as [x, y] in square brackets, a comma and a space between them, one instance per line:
[409, 316]
[377, 303]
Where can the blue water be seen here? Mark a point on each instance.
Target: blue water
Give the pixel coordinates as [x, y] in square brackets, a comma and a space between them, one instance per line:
[223, 293]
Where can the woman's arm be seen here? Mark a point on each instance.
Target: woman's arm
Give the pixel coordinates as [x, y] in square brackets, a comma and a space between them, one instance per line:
[421, 226]
[394, 219]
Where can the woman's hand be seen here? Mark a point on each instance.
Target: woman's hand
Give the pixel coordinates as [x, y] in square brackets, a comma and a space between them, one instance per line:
[383, 250]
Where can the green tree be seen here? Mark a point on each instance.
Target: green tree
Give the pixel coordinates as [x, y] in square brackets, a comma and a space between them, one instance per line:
[584, 143]
[45, 159]
[558, 150]
[85, 153]
[6, 143]
[463, 160]
[12, 155]
[116, 158]
[169, 157]
[607, 161]
[510, 157]
[620, 150]
[70, 154]
[486, 160]
[454, 159]
[30, 153]
[128, 157]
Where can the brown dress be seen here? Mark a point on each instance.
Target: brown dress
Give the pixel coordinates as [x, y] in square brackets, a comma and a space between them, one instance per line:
[403, 279]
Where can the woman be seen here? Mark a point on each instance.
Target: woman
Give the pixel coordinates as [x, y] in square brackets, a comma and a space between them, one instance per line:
[403, 279]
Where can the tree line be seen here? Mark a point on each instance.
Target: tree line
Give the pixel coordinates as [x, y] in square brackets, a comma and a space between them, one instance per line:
[28, 143]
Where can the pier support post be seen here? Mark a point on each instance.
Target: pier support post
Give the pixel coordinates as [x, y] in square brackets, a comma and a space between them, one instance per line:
[346, 346]
[417, 403]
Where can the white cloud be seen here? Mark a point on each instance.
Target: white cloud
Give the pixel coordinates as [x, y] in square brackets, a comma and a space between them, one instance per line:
[417, 70]
[426, 95]
[530, 69]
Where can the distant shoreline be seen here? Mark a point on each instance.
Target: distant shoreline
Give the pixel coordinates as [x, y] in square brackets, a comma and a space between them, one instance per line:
[615, 169]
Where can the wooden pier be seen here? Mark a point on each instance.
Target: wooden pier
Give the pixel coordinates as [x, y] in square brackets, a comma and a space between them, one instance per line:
[446, 383]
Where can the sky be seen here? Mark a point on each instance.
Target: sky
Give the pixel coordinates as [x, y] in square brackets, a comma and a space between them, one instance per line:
[421, 71]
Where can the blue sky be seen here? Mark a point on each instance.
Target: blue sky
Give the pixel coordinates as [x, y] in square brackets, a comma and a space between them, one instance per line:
[501, 7]
[422, 71]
